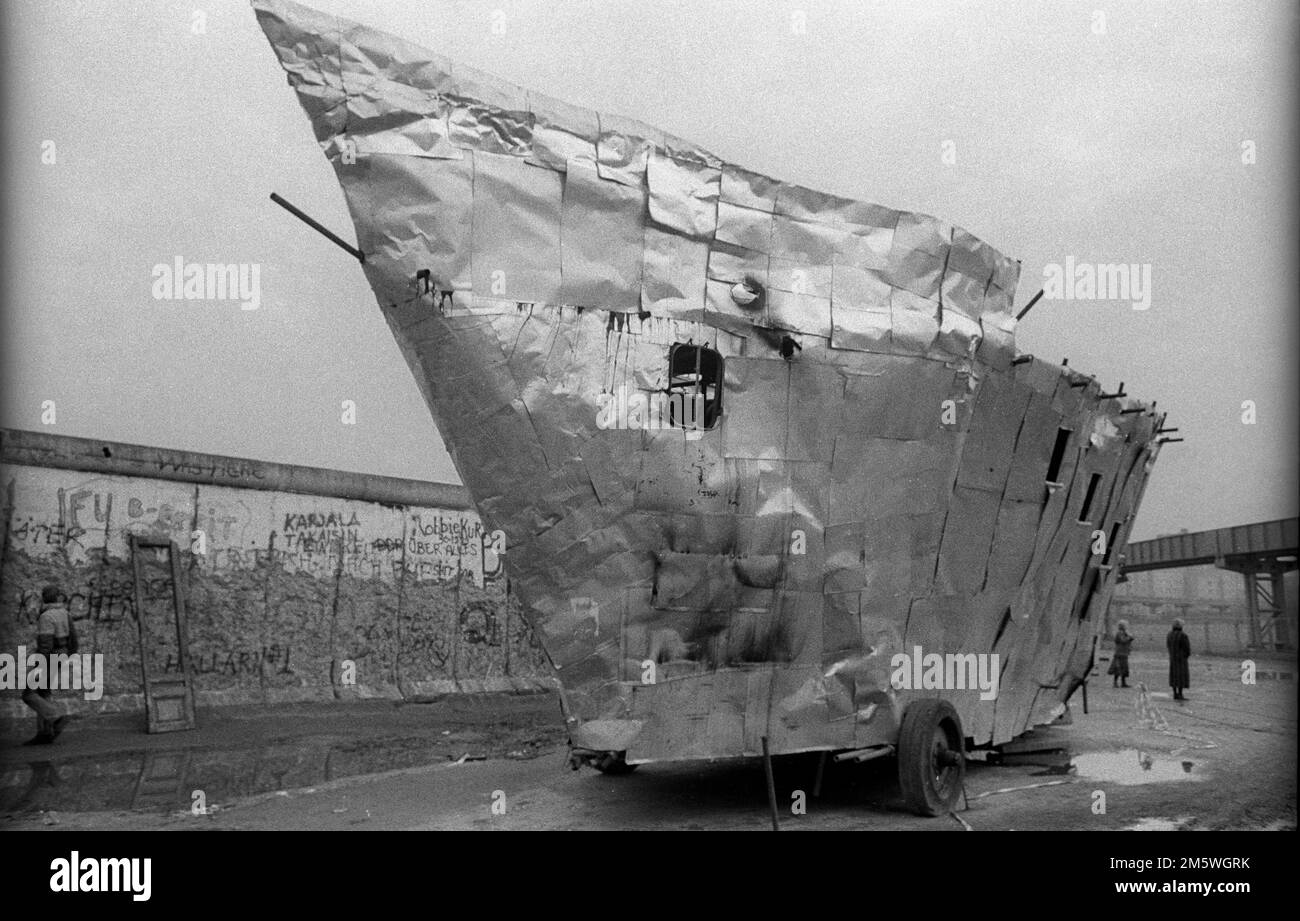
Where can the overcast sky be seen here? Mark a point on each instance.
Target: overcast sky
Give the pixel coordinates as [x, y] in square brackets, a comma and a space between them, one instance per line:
[1106, 140]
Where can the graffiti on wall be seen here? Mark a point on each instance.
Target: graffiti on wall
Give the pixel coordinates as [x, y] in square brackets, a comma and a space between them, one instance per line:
[88, 518]
[82, 519]
[275, 658]
[109, 599]
[280, 587]
[215, 469]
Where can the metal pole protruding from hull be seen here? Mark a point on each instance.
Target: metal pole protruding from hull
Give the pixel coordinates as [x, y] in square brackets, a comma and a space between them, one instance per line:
[1029, 306]
[320, 228]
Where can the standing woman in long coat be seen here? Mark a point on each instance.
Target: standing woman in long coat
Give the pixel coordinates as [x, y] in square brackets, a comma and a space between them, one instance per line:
[1119, 661]
[1180, 648]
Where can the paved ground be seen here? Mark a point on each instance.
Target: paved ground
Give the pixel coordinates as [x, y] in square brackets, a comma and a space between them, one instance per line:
[1226, 759]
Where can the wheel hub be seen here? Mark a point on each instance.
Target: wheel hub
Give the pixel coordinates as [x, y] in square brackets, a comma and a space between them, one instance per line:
[944, 761]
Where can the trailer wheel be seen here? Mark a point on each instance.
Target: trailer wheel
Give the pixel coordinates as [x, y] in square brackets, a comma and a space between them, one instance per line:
[614, 763]
[931, 757]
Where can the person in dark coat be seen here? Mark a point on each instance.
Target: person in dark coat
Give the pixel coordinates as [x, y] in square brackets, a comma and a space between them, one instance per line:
[1180, 648]
[1119, 662]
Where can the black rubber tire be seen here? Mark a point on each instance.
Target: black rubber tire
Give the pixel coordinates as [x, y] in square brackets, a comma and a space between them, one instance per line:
[928, 773]
[614, 763]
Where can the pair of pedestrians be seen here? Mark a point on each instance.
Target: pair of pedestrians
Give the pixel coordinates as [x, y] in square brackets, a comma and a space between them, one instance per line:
[1177, 645]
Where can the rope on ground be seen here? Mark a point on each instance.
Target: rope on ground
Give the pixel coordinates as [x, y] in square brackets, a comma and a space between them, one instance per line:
[1231, 725]
[1032, 786]
[1150, 717]
[1149, 714]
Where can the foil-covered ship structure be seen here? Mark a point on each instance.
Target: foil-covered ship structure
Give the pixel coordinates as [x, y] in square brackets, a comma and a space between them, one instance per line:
[747, 442]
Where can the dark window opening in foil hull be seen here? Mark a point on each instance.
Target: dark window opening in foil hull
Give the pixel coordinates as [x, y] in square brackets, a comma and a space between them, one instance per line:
[1058, 455]
[1088, 496]
[1110, 544]
[694, 387]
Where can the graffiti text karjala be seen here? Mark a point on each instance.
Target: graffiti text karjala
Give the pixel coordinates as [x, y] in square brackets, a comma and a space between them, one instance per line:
[293, 522]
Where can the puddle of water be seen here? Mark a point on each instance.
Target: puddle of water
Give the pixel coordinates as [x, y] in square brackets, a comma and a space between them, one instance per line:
[1133, 766]
[165, 780]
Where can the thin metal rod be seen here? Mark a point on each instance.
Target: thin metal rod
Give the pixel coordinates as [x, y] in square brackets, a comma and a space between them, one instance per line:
[771, 784]
[319, 228]
[1166, 441]
[1032, 302]
[1021, 359]
[1161, 431]
[821, 769]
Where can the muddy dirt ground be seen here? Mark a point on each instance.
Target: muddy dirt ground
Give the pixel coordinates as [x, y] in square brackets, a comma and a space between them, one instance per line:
[1224, 759]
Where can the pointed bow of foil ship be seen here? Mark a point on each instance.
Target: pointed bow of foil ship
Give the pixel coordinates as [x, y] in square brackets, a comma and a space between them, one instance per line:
[766, 460]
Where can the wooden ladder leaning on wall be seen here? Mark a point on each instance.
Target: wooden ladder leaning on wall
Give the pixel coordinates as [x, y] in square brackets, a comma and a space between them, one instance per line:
[168, 698]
